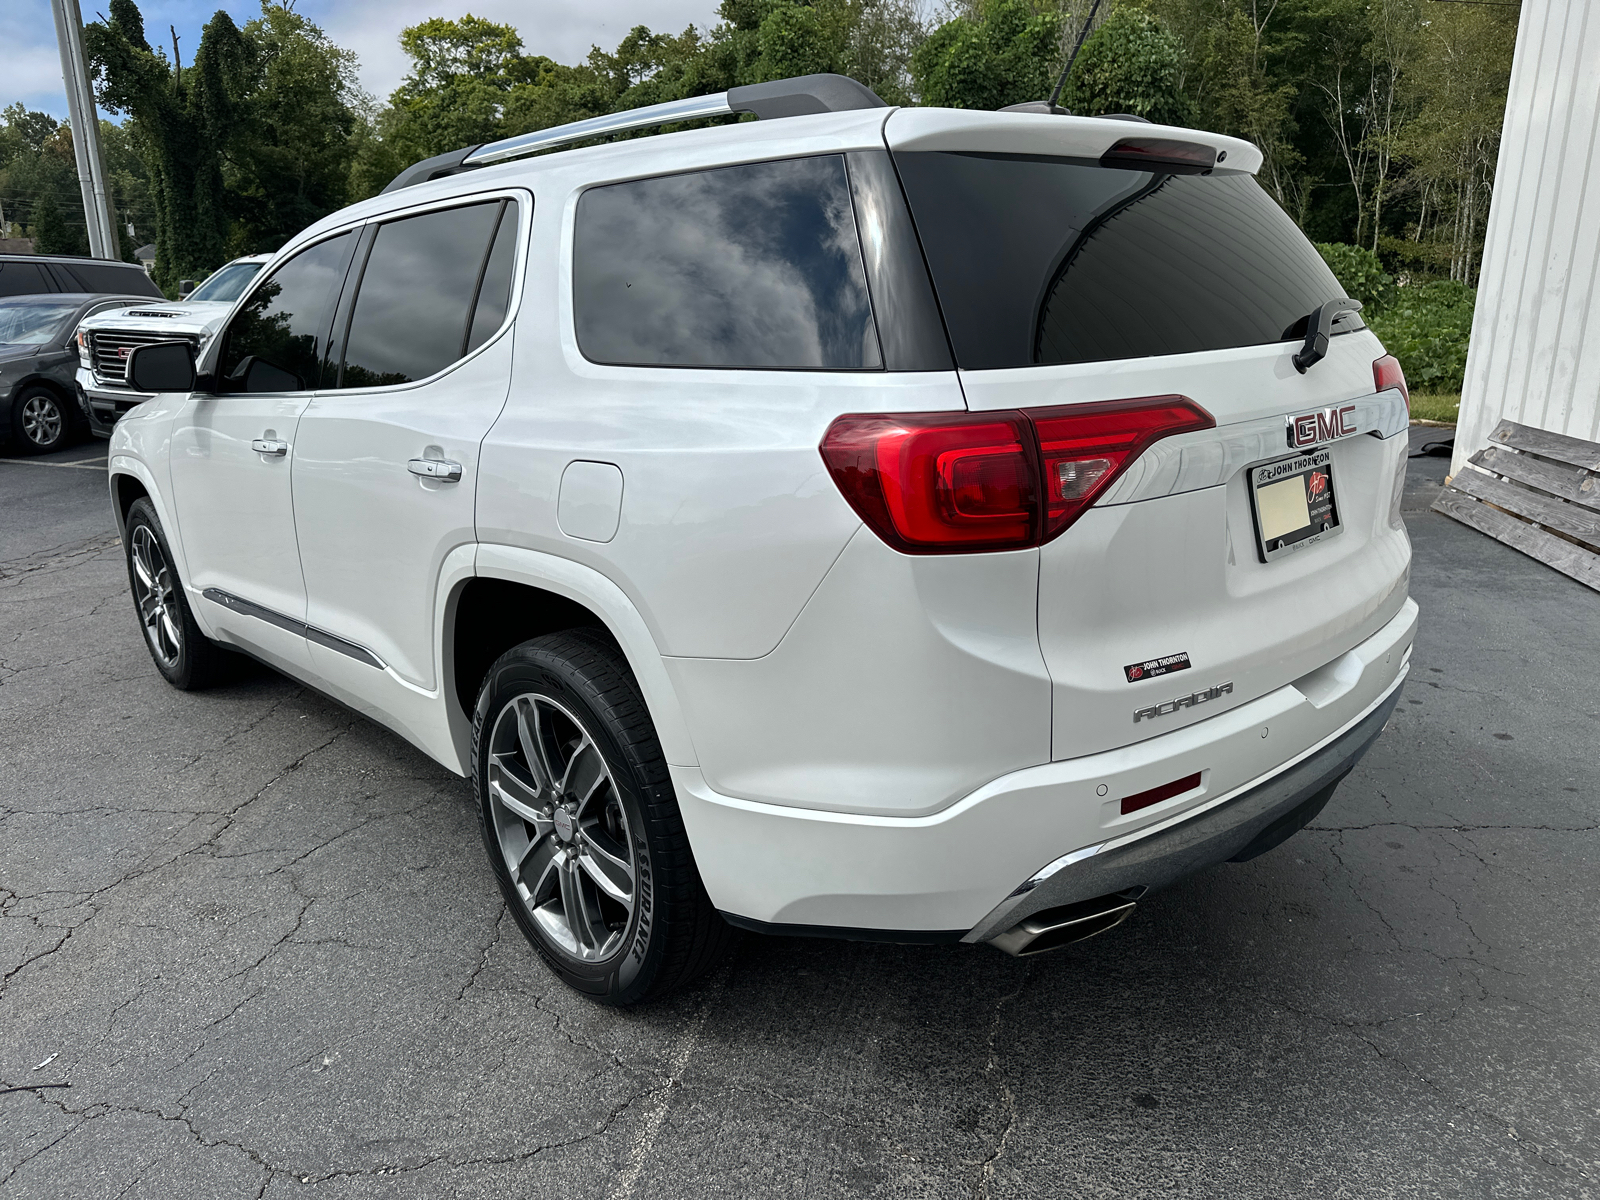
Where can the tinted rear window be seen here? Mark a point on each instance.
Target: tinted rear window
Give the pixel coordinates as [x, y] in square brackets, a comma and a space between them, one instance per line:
[1050, 260]
[748, 266]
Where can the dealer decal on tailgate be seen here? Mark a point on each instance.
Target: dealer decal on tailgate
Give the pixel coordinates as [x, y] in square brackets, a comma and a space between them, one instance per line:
[1157, 667]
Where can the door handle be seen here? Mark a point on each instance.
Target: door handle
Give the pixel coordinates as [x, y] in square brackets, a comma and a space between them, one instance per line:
[270, 446]
[435, 468]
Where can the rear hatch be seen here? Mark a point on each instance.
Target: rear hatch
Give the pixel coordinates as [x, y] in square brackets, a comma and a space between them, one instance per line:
[1065, 281]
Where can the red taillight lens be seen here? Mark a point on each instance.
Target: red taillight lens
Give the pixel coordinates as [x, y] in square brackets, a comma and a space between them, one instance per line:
[1386, 373]
[937, 483]
[1086, 446]
[930, 483]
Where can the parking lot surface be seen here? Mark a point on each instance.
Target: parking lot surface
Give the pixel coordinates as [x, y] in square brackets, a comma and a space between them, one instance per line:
[250, 946]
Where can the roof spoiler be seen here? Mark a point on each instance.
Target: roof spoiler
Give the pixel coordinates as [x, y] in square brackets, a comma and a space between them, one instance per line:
[798, 97]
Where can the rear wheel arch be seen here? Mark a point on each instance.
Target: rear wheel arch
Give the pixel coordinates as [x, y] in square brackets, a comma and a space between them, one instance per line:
[518, 594]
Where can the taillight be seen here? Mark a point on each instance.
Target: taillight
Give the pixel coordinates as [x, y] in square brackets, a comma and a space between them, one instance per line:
[1386, 373]
[1086, 446]
[939, 483]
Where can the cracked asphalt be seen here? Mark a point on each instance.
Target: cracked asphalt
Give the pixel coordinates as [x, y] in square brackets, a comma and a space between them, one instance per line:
[249, 946]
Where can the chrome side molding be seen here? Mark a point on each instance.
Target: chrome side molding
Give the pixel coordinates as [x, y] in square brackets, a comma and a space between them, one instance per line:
[249, 608]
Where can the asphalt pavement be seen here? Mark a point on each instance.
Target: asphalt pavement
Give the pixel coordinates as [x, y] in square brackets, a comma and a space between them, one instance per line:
[250, 946]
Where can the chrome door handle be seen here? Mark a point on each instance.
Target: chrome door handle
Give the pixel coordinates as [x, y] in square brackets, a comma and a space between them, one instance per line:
[435, 468]
[270, 446]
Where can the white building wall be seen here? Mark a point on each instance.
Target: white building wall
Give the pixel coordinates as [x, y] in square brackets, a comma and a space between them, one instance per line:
[1535, 352]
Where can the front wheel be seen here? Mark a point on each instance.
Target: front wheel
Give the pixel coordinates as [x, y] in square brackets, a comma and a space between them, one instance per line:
[186, 658]
[581, 823]
[41, 420]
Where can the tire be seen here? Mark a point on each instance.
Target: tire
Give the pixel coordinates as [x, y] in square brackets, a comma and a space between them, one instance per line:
[42, 421]
[186, 658]
[587, 843]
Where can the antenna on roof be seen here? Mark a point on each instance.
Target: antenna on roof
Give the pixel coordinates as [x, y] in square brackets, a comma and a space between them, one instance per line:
[1067, 70]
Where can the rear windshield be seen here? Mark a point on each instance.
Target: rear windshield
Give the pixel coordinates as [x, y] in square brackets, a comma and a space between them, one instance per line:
[1042, 260]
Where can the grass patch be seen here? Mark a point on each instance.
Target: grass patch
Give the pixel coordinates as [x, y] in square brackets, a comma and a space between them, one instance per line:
[1435, 406]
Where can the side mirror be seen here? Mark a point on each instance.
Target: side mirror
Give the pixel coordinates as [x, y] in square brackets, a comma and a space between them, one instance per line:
[185, 286]
[162, 367]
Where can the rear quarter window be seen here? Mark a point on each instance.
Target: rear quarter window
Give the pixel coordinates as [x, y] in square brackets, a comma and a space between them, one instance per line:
[756, 265]
[1041, 260]
[23, 279]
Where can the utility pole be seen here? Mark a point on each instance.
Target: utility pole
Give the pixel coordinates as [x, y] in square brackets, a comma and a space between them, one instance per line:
[85, 130]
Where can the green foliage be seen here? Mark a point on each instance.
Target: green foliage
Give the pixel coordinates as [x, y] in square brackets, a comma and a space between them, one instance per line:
[1005, 53]
[1131, 64]
[52, 235]
[1426, 326]
[242, 148]
[289, 161]
[1360, 273]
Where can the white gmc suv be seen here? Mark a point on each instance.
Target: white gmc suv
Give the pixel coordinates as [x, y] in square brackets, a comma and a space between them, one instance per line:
[903, 524]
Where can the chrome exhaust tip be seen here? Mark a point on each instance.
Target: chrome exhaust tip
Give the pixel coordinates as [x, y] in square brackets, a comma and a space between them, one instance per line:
[1053, 927]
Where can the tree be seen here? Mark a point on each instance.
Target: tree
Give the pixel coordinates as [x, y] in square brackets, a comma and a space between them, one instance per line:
[1005, 54]
[52, 234]
[186, 119]
[1131, 64]
[288, 162]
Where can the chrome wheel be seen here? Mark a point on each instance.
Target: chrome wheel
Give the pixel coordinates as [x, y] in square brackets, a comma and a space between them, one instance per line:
[41, 420]
[153, 593]
[562, 828]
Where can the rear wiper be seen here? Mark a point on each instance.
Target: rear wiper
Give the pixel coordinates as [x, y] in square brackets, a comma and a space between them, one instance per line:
[1318, 326]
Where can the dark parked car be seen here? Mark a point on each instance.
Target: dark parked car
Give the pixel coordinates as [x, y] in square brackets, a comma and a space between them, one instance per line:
[36, 274]
[38, 358]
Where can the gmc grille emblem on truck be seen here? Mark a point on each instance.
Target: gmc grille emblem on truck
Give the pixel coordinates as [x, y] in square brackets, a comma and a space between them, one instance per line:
[1189, 701]
[1309, 429]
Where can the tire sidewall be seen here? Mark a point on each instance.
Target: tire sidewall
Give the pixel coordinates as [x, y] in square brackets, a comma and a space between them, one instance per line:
[628, 975]
[27, 444]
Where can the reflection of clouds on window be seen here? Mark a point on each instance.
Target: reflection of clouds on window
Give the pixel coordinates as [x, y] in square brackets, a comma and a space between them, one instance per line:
[755, 266]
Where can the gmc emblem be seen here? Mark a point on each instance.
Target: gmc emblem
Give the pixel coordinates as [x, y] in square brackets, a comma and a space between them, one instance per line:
[1309, 429]
[124, 351]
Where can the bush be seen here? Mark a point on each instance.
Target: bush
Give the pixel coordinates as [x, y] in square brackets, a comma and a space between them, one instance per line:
[1131, 64]
[1360, 274]
[1427, 326]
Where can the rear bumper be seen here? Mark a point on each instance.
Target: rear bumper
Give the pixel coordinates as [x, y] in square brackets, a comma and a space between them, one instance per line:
[1052, 834]
[1232, 829]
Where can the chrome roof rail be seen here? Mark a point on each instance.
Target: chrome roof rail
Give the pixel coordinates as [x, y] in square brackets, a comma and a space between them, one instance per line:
[800, 96]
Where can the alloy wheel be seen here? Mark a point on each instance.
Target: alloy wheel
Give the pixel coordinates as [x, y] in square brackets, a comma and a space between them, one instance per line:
[154, 594]
[41, 420]
[562, 828]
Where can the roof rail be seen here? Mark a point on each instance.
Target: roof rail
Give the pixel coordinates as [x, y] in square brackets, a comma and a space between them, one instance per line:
[801, 96]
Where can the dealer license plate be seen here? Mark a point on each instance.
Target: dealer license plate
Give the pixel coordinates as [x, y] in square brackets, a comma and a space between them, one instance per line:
[1293, 504]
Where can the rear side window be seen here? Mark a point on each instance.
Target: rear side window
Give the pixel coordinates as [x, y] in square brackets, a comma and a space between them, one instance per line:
[423, 280]
[23, 279]
[276, 340]
[747, 266]
[1049, 260]
[103, 277]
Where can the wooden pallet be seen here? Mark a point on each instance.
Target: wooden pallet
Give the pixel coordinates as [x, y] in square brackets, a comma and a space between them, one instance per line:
[1538, 492]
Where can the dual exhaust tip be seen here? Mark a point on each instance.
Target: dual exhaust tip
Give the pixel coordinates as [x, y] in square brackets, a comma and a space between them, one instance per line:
[1054, 927]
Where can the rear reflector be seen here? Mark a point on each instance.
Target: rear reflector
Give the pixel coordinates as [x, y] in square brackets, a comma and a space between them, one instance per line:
[941, 483]
[1386, 374]
[1166, 155]
[1156, 795]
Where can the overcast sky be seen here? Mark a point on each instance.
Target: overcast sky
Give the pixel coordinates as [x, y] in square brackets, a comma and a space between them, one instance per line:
[562, 29]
